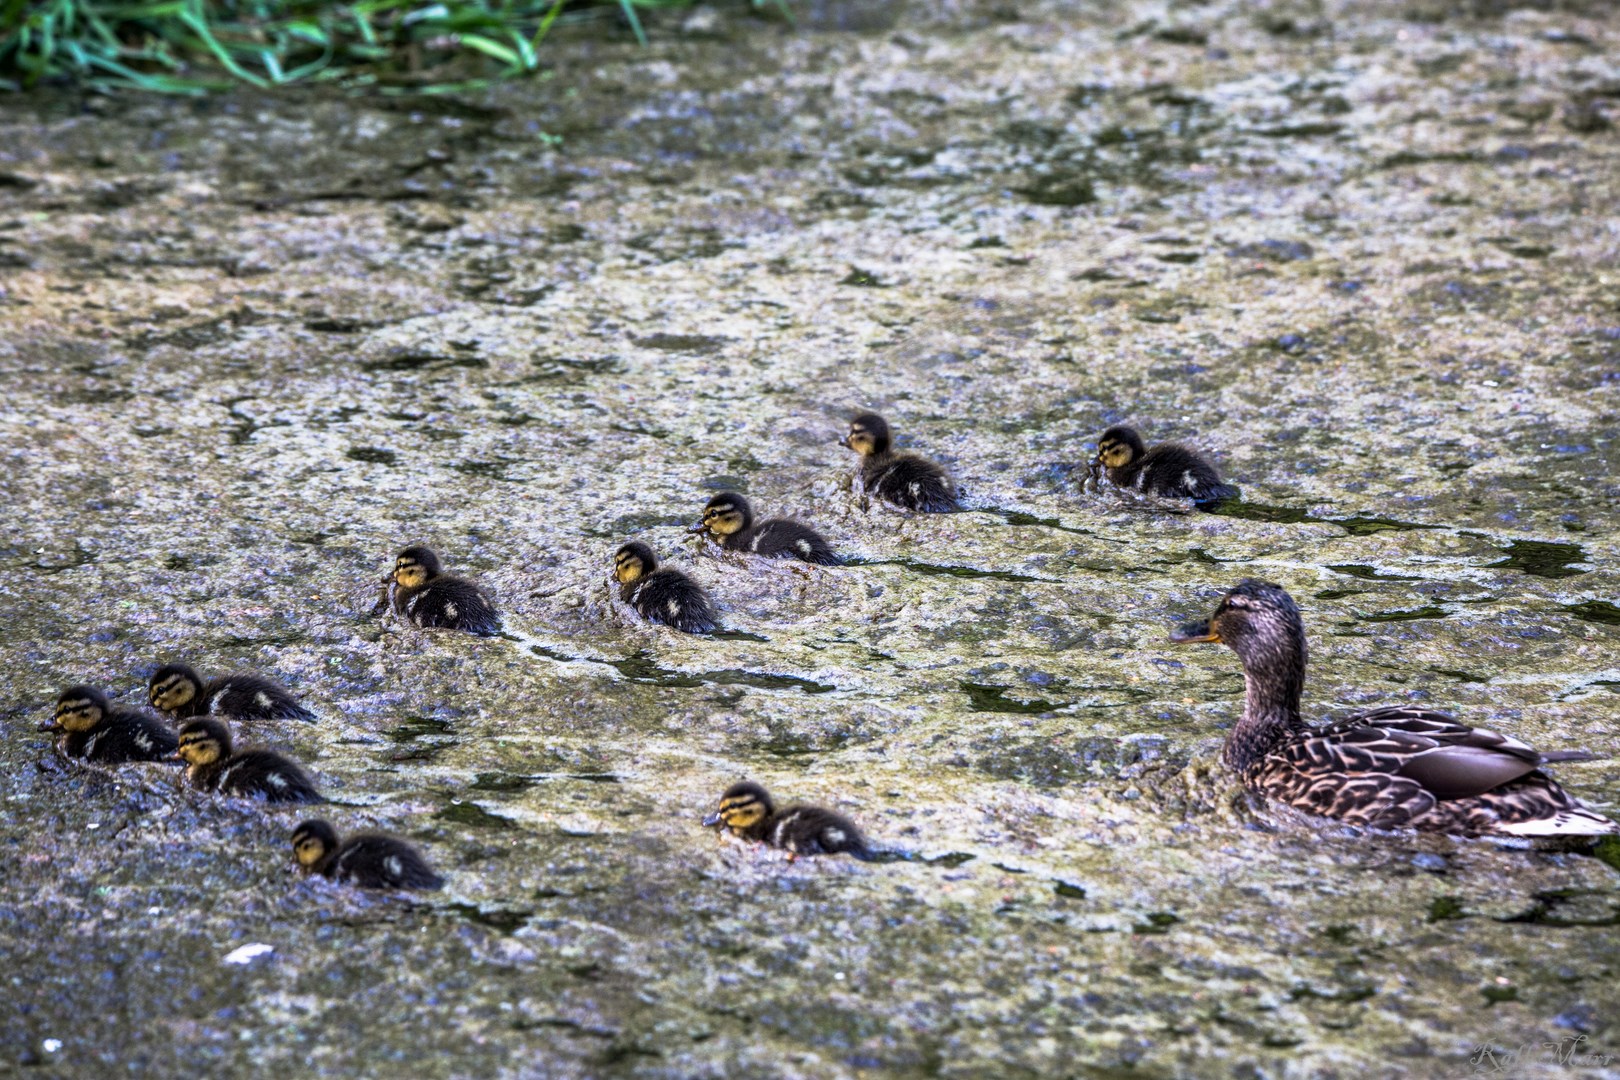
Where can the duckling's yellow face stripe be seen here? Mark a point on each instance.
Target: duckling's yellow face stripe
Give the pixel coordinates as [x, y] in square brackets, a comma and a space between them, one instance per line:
[627, 568]
[1114, 454]
[172, 693]
[410, 574]
[741, 812]
[860, 440]
[722, 520]
[308, 849]
[80, 714]
[199, 750]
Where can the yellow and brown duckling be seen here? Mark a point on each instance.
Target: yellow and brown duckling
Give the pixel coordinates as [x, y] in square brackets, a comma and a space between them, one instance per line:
[1169, 470]
[1390, 768]
[746, 811]
[205, 747]
[428, 597]
[663, 596]
[95, 730]
[904, 479]
[180, 692]
[369, 860]
[730, 520]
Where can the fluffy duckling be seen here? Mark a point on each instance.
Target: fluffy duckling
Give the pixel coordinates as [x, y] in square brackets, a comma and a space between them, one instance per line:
[730, 520]
[428, 597]
[180, 692]
[369, 860]
[1396, 767]
[905, 480]
[664, 596]
[205, 747]
[747, 811]
[1169, 470]
[95, 730]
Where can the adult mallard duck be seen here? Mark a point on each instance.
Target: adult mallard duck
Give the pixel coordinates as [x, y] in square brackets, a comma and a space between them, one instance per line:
[1391, 768]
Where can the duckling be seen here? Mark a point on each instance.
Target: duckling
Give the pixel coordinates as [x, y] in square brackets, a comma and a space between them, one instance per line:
[205, 747]
[1396, 767]
[95, 730]
[905, 480]
[747, 811]
[180, 692]
[427, 597]
[664, 596]
[1169, 470]
[730, 520]
[369, 860]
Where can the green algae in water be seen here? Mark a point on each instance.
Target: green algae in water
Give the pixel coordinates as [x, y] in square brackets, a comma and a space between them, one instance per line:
[470, 813]
[1446, 909]
[1359, 525]
[1158, 922]
[1540, 558]
[983, 697]
[506, 922]
[947, 570]
[1068, 890]
[1598, 611]
[1368, 573]
[1426, 612]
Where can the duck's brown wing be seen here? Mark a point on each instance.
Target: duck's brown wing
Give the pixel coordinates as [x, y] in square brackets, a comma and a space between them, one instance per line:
[1389, 767]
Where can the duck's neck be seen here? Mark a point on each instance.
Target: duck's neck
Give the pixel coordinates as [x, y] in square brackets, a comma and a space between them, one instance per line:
[1271, 692]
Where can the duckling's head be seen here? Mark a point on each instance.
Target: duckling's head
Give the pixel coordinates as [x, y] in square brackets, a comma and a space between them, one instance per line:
[726, 513]
[1257, 620]
[80, 708]
[415, 567]
[1119, 446]
[312, 841]
[633, 562]
[742, 807]
[173, 687]
[868, 435]
[203, 742]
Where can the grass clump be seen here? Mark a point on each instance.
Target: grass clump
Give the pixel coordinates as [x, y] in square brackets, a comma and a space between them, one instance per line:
[195, 46]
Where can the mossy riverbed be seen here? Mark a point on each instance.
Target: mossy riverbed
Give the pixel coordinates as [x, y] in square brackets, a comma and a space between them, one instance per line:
[1361, 252]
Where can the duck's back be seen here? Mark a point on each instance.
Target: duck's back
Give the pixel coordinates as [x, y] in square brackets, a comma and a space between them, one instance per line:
[263, 774]
[1178, 471]
[672, 598]
[122, 736]
[783, 538]
[910, 481]
[249, 697]
[813, 830]
[454, 604]
[381, 862]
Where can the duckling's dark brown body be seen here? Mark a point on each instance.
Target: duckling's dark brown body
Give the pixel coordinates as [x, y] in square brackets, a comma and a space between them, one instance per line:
[93, 729]
[180, 692]
[730, 520]
[747, 812]
[1399, 767]
[905, 480]
[429, 598]
[369, 860]
[662, 596]
[205, 746]
[1168, 470]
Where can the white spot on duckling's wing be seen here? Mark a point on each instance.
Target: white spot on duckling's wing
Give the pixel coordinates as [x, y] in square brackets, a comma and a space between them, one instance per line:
[450, 609]
[224, 779]
[674, 609]
[835, 835]
[803, 546]
[213, 702]
[143, 741]
[262, 700]
[275, 780]
[1189, 482]
[395, 868]
[249, 953]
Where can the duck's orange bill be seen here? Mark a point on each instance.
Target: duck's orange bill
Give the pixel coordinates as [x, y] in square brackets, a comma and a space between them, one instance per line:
[1198, 631]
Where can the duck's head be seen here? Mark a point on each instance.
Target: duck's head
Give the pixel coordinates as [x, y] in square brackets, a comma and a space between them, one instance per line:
[203, 742]
[79, 708]
[1119, 446]
[727, 513]
[868, 435]
[633, 562]
[312, 841]
[415, 567]
[173, 687]
[1257, 620]
[742, 807]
